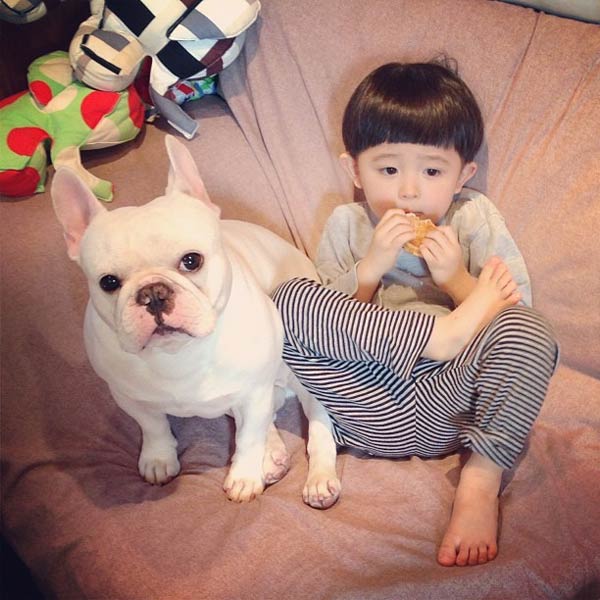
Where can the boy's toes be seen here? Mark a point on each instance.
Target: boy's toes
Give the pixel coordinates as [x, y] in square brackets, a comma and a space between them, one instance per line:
[493, 263]
[447, 554]
[462, 558]
[514, 298]
[474, 556]
[483, 554]
[492, 270]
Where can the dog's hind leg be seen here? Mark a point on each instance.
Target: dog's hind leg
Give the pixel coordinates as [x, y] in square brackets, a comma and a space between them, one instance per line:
[276, 462]
[323, 487]
[253, 415]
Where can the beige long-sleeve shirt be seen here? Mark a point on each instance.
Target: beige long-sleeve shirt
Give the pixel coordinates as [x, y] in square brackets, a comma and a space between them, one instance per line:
[481, 232]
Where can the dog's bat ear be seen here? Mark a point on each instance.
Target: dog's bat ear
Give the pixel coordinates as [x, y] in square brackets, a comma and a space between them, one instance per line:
[75, 206]
[183, 173]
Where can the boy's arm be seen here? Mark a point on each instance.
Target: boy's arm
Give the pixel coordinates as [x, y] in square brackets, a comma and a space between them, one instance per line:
[498, 241]
[354, 255]
[444, 257]
[335, 261]
[492, 238]
[483, 233]
[392, 231]
[366, 282]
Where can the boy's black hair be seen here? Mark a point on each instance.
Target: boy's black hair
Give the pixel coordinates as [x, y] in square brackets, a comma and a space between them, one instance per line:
[416, 103]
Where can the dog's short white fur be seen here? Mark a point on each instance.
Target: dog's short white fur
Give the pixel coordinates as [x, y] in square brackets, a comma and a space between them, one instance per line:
[180, 322]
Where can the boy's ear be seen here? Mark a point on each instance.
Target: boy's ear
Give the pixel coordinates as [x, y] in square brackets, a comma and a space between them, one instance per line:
[469, 169]
[351, 168]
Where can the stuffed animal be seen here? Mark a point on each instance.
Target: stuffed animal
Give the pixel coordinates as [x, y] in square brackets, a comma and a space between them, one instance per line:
[59, 116]
[22, 11]
[187, 40]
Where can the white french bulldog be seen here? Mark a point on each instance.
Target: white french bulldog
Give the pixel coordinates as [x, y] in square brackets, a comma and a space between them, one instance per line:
[180, 322]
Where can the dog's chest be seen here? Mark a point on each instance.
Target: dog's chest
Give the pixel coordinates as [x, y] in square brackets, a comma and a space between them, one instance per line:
[189, 385]
[209, 398]
[205, 378]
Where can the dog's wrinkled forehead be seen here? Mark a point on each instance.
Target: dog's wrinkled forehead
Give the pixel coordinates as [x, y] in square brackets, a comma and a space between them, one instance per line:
[154, 234]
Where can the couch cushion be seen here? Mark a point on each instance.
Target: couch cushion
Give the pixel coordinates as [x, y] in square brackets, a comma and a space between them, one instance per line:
[233, 177]
[586, 10]
[537, 78]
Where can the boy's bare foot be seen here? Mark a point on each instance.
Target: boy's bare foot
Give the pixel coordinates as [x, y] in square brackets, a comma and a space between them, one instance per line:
[471, 537]
[495, 290]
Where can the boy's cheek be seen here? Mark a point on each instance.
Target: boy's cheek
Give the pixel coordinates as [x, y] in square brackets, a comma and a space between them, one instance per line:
[380, 207]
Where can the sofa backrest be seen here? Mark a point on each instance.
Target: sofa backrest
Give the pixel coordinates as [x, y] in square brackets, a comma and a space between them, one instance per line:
[537, 79]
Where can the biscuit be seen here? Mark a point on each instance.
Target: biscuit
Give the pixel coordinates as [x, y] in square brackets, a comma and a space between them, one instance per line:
[422, 228]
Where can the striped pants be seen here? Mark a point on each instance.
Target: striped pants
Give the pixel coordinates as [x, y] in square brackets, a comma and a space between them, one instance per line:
[363, 363]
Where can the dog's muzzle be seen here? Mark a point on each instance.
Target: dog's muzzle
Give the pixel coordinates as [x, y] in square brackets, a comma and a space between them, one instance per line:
[160, 307]
[158, 300]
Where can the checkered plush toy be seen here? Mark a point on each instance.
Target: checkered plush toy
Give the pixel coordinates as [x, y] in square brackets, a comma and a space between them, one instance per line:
[22, 11]
[186, 39]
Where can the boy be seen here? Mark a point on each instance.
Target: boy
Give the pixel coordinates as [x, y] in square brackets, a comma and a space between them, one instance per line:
[411, 133]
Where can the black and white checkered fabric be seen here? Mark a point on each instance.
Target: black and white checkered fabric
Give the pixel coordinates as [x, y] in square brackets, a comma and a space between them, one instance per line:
[189, 40]
[22, 11]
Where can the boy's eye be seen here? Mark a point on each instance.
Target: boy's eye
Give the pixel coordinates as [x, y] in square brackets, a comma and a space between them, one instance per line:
[389, 170]
[432, 172]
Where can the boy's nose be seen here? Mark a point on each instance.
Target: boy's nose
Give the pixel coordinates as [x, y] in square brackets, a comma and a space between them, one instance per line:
[408, 189]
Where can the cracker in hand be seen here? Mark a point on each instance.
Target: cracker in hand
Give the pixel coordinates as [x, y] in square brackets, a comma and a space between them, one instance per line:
[422, 228]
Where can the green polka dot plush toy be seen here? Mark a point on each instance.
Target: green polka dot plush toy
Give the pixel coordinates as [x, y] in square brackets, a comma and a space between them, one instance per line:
[55, 119]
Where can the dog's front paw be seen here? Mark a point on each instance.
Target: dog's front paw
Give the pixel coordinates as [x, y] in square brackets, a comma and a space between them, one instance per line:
[322, 490]
[158, 468]
[242, 490]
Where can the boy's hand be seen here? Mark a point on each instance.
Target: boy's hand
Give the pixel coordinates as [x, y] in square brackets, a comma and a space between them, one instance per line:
[391, 233]
[443, 255]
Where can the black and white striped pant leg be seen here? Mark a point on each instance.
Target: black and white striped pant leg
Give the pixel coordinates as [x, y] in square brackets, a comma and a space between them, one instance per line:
[356, 359]
[516, 358]
[320, 322]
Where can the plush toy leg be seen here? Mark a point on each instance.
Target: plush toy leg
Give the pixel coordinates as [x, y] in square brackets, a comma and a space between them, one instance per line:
[175, 115]
[70, 157]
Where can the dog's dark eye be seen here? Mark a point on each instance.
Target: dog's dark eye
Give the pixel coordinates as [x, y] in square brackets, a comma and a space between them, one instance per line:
[191, 262]
[110, 283]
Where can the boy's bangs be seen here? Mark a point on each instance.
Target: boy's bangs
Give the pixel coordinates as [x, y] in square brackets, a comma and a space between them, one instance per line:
[427, 125]
[415, 104]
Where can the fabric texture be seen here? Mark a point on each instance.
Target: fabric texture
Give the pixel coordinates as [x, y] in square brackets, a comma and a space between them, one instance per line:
[22, 11]
[586, 10]
[169, 34]
[73, 504]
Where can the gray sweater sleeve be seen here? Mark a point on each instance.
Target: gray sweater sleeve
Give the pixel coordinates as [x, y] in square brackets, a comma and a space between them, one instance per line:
[482, 233]
[345, 240]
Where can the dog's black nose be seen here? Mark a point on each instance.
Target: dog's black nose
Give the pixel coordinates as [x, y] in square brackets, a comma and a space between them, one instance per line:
[158, 300]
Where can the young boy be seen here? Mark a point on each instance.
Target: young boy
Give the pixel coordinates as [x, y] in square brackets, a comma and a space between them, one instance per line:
[411, 133]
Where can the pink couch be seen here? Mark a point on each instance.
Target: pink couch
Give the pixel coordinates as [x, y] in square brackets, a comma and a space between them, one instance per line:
[73, 505]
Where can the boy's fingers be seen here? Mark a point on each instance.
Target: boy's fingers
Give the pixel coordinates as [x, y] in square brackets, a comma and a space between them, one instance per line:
[391, 216]
[429, 250]
[444, 237]
[393, 228]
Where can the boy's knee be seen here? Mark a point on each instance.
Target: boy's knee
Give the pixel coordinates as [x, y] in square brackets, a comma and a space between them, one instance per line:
[525, 327]
[289, 291]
